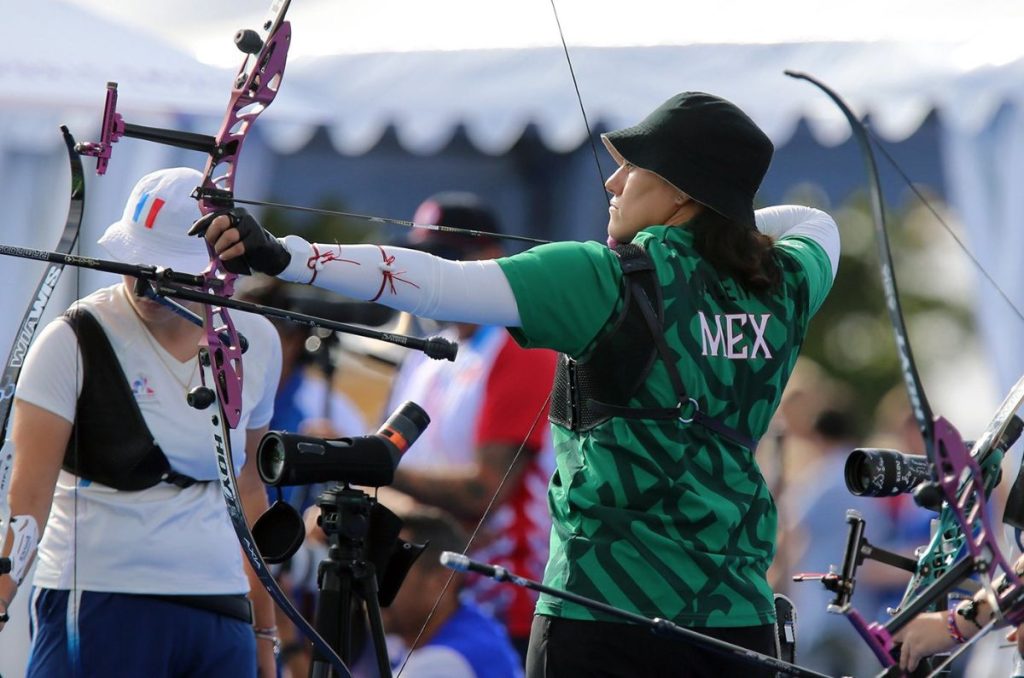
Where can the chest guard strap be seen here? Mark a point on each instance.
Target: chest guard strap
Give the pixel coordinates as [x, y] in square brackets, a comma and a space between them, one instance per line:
[110, 442]
[590, 391]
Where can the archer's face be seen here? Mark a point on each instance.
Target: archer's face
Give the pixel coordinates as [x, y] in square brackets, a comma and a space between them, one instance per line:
[640, 199]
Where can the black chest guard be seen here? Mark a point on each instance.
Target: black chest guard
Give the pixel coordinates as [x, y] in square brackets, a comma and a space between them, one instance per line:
[110, 442]
[591, 391]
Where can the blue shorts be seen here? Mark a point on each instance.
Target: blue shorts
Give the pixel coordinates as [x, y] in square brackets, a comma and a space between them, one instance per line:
[114, 634]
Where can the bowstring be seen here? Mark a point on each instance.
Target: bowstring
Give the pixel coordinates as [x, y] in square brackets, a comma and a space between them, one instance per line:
[537, 417]
[938, 217]
[74, 595]
[476, 531]
[579, 98]
[442, 228]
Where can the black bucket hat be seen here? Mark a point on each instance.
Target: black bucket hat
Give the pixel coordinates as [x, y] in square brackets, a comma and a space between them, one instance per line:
[703, 145]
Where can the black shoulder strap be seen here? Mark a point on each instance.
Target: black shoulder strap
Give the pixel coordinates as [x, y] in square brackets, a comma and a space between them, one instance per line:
[639, 284]
[110, 442]
[636, 263]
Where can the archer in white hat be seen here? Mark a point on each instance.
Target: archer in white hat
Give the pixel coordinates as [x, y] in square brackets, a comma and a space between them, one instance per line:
[121, 473]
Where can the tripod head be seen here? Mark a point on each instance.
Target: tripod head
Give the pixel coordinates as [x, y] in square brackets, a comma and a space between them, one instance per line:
[364, 532]
[365, 566]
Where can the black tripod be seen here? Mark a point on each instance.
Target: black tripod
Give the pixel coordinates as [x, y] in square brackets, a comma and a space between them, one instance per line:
[347, 578]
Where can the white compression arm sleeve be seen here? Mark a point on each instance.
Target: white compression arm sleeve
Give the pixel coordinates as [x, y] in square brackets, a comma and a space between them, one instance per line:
[407, 280]
[781, 221]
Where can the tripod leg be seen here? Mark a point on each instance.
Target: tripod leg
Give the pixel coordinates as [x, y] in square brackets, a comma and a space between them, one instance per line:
[327, 612]
[333, 610]
[368, 588]
[345, 608]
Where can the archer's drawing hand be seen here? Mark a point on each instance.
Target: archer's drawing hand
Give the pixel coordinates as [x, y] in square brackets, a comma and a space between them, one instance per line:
[241, 243]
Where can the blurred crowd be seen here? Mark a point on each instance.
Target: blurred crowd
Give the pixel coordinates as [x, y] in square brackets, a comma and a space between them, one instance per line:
[475, 481]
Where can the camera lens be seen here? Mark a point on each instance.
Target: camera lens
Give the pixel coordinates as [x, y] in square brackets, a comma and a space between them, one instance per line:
[404, 426]
[271, 458]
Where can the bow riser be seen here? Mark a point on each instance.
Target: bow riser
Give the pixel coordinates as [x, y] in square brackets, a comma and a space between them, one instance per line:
[256, 86]
[248, 101]
[947, 541]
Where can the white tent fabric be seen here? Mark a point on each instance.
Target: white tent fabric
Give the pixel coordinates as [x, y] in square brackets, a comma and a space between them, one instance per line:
[60, 56]
[985, 171]
[496, 93]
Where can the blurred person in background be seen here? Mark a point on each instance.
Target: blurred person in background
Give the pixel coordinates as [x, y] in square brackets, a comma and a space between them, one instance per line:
[785, 454]
[458, 640]
[483, 408]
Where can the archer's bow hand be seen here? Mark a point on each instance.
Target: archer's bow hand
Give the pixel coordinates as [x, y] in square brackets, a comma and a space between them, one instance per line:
[241, 243]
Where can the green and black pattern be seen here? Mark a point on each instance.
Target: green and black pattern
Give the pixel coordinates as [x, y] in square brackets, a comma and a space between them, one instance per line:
[657, 517]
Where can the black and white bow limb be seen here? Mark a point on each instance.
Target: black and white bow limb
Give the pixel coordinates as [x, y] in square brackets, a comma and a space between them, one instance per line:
[963, 476]
[30, 324]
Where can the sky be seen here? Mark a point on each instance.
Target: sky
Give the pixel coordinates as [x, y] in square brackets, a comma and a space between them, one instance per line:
[979, 31]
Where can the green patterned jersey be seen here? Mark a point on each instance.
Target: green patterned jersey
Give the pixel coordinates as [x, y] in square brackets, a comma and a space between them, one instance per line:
[653, 516]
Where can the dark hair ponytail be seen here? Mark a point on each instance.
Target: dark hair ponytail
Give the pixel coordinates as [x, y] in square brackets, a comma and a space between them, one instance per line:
[737, 250]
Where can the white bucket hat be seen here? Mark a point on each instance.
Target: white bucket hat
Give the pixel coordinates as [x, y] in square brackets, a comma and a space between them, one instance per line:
[156, 219]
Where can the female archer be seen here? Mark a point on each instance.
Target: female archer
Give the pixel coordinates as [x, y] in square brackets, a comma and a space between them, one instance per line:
[114, 491]
[677, 340]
